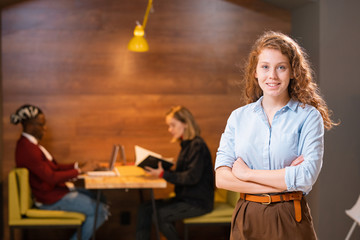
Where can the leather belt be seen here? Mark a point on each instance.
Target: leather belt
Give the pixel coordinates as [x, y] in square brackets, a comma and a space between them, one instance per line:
[282, 197]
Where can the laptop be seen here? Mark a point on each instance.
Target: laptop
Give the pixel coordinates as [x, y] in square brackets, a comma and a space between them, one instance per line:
[110, 170]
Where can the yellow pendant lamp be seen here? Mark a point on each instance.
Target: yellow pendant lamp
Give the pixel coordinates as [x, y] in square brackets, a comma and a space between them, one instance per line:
[138, 43]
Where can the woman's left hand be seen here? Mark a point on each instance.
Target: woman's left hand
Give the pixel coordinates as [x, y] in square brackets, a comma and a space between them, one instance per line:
[155, 172]
[241, 170]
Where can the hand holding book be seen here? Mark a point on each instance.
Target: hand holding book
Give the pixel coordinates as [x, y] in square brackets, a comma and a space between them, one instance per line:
[145, 158]
[158, 172]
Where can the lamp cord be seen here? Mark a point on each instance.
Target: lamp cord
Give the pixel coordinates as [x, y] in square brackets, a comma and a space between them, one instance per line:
[149, 6]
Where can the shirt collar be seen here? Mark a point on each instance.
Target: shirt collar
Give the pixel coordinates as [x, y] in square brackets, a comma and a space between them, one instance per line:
[292, 104]
[30, 137]
[257, 105]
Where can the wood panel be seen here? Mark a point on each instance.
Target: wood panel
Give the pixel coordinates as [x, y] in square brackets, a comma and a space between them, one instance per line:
[70, 58]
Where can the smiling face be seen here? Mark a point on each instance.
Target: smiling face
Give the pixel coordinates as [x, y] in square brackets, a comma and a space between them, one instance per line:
[273, 72]
[175, 127]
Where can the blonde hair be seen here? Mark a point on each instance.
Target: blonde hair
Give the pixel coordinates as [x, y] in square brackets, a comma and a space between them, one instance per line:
[183, 115]
[301, 87]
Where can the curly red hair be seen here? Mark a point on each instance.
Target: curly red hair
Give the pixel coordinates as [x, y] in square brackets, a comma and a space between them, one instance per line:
[301, 87]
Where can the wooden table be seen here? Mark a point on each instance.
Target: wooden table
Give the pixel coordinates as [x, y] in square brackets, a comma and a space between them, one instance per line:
[130, 177]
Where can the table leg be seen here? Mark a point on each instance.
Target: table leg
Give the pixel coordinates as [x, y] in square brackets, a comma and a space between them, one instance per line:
[98, 193]
[155, 215]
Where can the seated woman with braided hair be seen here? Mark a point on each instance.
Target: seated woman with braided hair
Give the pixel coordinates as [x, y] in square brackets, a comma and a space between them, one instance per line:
[47, 177]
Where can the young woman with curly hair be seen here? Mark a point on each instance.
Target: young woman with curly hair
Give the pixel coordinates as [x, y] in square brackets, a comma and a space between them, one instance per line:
[272, 148]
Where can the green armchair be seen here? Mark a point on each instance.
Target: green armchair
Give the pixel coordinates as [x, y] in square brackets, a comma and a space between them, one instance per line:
[224, 205]
[22, 214]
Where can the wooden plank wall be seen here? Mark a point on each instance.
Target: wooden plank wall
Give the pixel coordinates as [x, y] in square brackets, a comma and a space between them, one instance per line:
[71, 59]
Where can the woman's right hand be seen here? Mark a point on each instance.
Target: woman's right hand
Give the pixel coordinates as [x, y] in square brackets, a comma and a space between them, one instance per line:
[155, 172]
[297, 161]
[240, 169]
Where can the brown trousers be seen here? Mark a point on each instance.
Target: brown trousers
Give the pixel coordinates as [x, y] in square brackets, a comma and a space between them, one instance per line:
[255, 221]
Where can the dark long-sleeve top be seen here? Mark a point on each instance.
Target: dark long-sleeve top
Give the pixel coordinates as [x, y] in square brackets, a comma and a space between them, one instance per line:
[47, 178]
[194, 176]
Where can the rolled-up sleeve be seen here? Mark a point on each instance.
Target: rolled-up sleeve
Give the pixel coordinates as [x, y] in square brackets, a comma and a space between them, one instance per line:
[225, 155]
[311, 146]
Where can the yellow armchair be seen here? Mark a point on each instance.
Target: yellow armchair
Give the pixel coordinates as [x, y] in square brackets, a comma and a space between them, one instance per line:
[224, 205]
[22, 214]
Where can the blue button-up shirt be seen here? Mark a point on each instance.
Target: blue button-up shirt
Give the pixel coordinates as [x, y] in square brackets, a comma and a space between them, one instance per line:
[295, 131]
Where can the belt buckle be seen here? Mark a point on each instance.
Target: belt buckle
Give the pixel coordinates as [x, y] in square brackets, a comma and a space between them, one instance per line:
[266, 195]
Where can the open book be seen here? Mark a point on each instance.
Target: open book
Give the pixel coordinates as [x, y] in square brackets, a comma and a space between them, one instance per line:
[144, 157]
